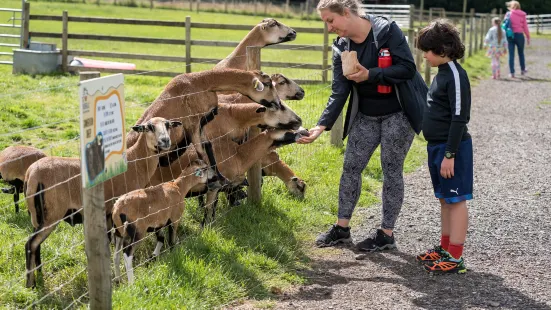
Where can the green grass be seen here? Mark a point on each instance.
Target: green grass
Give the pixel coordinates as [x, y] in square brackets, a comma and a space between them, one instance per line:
[250, 252]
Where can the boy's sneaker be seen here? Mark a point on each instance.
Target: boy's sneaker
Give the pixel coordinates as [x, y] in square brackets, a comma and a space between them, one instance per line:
[336, 234]
[431, 255]
[378, 241]
[523, 72]
[446, 264]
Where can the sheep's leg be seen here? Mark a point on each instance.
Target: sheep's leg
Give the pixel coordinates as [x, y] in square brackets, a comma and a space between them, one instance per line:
[117, 257]
[160, 242]
[172, 233]
[32, 252]
[128, 256]
[16, 199]
[210, 208]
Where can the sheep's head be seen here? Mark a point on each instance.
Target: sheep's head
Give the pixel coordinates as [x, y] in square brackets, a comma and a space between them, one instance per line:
[205, 174]
[285, 137]
[157, 130]
[287, 89]
[282, 118]
[274, 32]
[263, 91]
[296, 187]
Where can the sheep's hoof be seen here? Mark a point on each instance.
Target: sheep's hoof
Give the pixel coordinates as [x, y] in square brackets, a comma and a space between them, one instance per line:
[235, 197]
[297, 187]
[8, 190]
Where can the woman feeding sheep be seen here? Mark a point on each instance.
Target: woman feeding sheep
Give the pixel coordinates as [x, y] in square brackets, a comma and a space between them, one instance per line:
[374, 117]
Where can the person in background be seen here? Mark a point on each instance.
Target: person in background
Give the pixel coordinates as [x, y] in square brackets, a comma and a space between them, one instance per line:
[520, 29]
[496, 43]
[373, 118]
[449, 144]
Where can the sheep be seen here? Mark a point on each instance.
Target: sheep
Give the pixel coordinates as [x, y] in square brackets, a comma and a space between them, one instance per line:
[53, 186]
[193, 95]
[238, 158]
[152, 209]
[14, 161]
[286, 89]
[268, 32]
[232, 122]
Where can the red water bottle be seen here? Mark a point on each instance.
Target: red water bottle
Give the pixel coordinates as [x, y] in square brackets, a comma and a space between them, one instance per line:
[384, 61]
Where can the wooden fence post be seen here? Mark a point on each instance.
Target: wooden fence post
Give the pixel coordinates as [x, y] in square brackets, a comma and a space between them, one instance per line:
[95, 237]
[254, 175]
[537, 24]
[481, 29]
[25, 36]
[410, 28]
[337, 132]
[464, 27]
[188, 44]
[198, 5]
[266, 2]
[191, 5]
[325, 53]
[476, 34]
[427, 72]
[64, 40]
[421, 6]
[287, 7]
[418, 54]
[255, 8]
[430, 15]
[226, 6]
[471, 29]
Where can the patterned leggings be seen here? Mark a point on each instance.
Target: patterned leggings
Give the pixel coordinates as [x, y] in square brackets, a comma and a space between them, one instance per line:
[495, 66]
[393, 132]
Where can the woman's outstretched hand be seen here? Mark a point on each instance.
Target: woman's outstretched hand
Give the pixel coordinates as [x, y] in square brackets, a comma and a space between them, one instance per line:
[314, 134]
[360, 76]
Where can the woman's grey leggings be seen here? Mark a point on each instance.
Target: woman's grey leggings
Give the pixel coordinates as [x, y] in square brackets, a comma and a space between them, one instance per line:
[393, 132]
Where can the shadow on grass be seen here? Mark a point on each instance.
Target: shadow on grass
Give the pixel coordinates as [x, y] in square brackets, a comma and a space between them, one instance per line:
[254, 246]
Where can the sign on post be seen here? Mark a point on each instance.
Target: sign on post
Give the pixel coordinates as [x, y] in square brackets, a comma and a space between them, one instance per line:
[103, 140]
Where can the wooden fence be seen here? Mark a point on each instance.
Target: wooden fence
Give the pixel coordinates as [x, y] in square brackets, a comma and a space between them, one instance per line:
[186, 27]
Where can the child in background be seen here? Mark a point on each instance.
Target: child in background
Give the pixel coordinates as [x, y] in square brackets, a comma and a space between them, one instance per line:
[450, 149]
[496, 42]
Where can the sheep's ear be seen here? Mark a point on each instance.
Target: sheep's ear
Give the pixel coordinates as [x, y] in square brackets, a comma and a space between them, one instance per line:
[258, 85]
[138, 128]
[261, 110]
[175, 124]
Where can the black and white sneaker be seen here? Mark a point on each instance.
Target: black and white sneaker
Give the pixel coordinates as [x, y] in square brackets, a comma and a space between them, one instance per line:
[336, 234]
[378, 241]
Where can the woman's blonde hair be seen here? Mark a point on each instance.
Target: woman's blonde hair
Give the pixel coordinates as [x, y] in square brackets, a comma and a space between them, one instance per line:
[513, 5]
[338, 6]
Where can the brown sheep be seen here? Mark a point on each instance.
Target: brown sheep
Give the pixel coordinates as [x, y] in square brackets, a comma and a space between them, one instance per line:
[53, 186]
[268, 32]
[287, 89]
[190, 97]
[152, 209]
[14, 161]
[232, 122]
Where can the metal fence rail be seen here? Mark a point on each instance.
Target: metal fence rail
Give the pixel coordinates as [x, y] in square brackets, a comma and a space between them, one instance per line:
[7, 40]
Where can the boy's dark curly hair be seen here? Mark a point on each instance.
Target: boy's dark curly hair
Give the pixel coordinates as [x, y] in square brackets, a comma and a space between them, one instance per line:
[442, 38]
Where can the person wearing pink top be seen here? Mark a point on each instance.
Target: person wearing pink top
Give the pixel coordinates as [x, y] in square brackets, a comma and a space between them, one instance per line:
[520, 28]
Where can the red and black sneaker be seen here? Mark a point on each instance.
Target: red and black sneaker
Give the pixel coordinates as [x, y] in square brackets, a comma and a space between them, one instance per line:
[431, 255]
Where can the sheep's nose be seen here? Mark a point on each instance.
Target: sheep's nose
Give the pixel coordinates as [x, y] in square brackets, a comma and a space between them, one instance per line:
[165, 141]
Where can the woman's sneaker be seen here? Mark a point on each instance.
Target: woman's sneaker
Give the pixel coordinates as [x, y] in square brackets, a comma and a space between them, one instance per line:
[336, 234]
[431, 255]
[378, 241]
[446, 264]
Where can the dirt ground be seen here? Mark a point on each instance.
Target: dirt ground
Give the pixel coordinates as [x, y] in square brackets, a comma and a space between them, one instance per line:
[508, 248]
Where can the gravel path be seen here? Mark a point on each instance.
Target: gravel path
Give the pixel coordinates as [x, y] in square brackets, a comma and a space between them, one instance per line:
[508, 249]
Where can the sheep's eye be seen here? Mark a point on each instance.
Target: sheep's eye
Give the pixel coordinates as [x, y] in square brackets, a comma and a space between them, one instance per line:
[282, 83]
[167, 124]
[150, 127]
